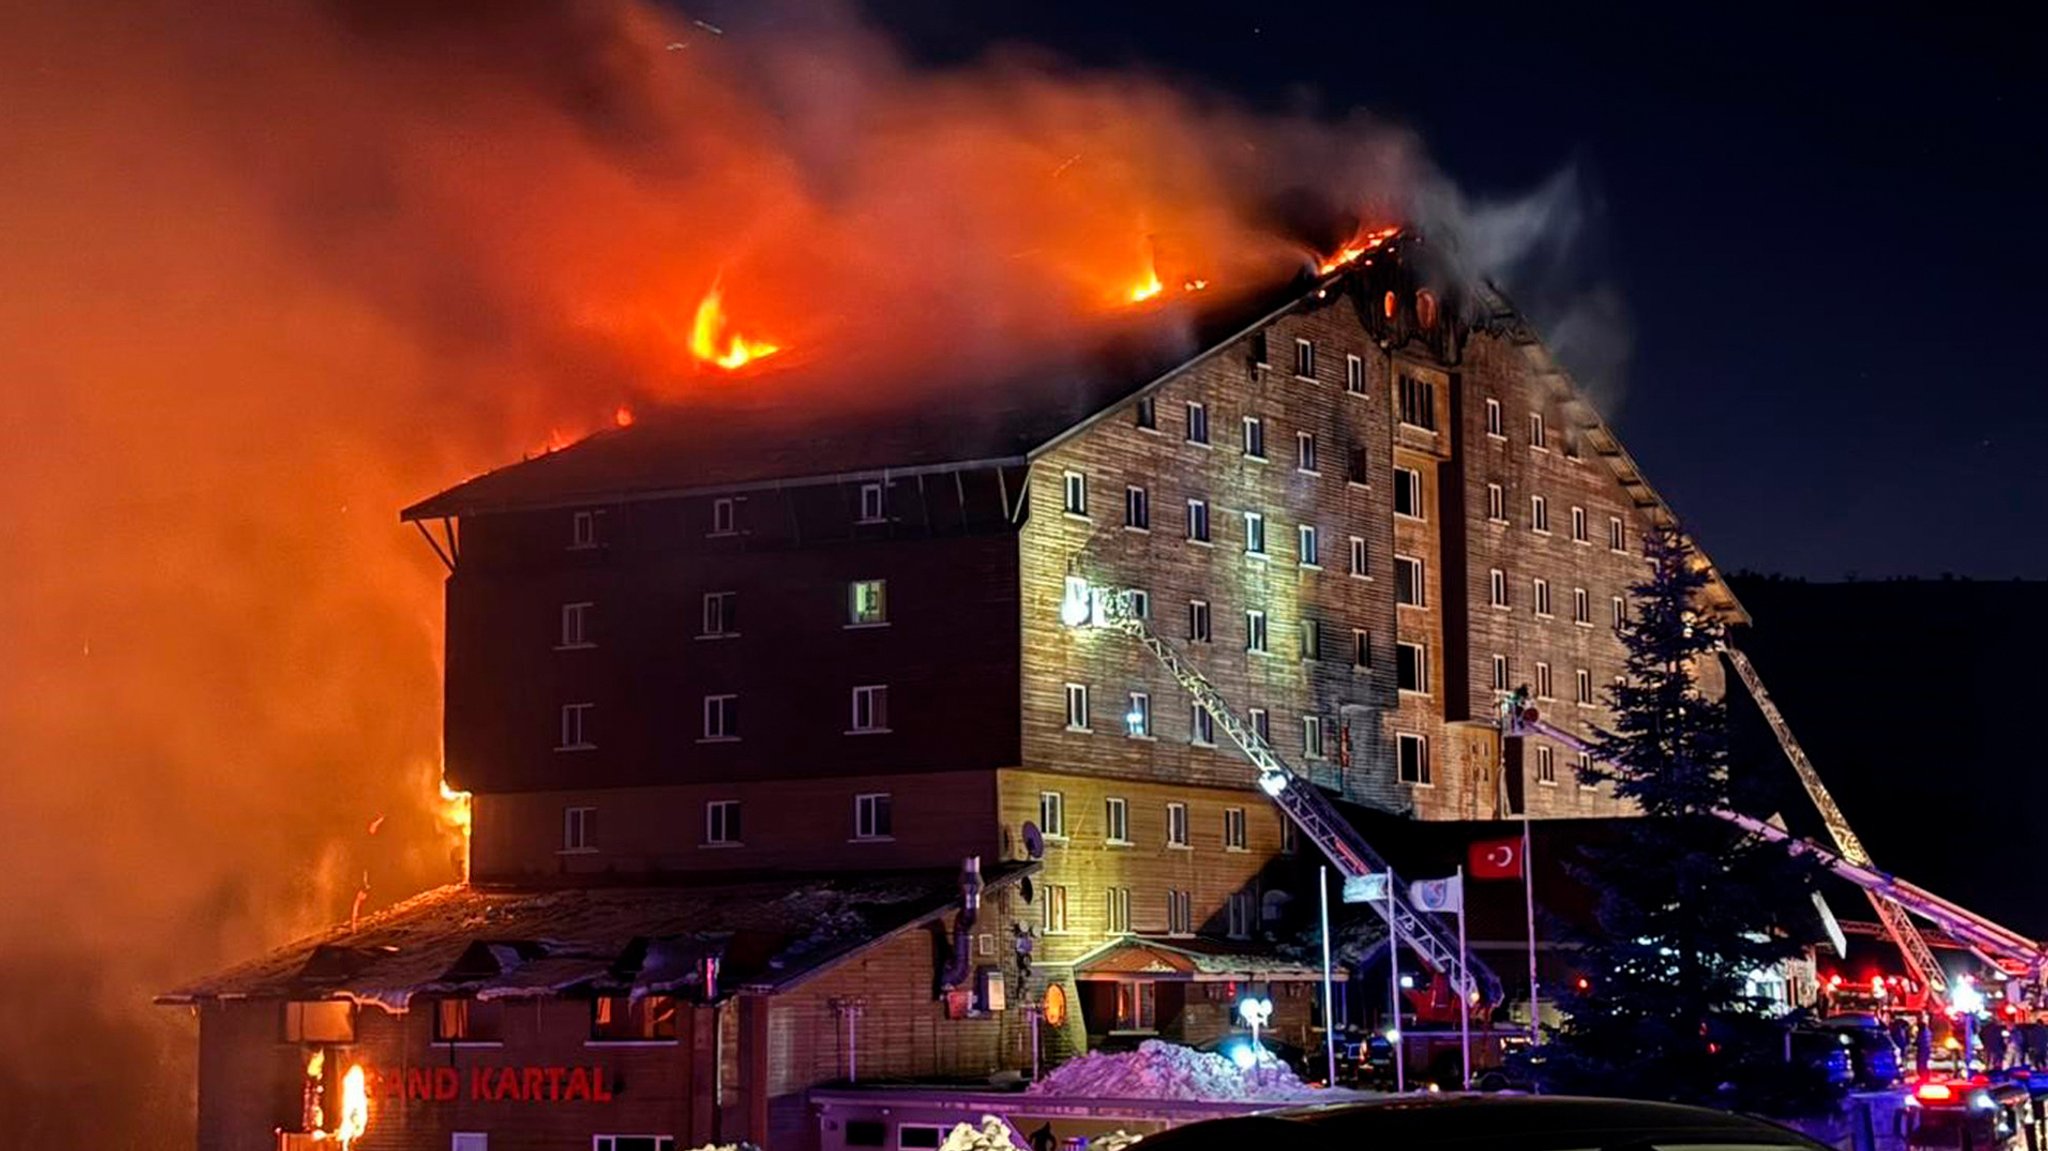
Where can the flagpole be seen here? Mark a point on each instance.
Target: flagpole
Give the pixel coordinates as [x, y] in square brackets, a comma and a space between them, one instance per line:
[1529, 899]
[1464, 991]
[1394, 1035]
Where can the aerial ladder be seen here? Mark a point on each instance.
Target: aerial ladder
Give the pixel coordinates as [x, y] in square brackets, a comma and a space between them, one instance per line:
[1892, 896]
[1296, 796]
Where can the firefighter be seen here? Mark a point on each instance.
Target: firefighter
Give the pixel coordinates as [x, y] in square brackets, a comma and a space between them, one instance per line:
[1923, 1044]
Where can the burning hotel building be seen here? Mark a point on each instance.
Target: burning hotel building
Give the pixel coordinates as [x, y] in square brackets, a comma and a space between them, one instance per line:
[737, 696]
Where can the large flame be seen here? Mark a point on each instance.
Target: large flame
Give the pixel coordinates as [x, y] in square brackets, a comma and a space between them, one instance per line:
[708, 329]
[355, 1108]
[1359, 245]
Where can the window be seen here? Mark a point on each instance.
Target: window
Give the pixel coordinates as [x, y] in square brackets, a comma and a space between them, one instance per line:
[1137, 509]
[1305, 452]
[873, 816]
[1180, 918]
[1254, 437]
[1053, 898]
[1198, 521]
[1137, 1003]
[1583, 686]
[1496, 588]
[1198, 621]
[870, 708]
[1536, 432]
[1408, 581]
[1176, 825]
[1361, 647]
[1311, 551]
[864, 1133]
[1359, 557]
[1255, 533]
[1408, 493]
[1117, 910]
[1539, 515]
[1616, 541]
[1617, 611]
[1312, 737]
[1233, 829]
[1238, 914]
[1493, 421]
[1354, 468]
[1138, 720]
[632, 1143]
[1546, 766]
[1542, 680]
[871, 504]
[1116, 820]
[1290, 837]
[721, 615]
[627, 1019]
[1413, 753]
[1496, 504]
[576, 727]
[1198, 423]
[1540, 596]
[579, 829]
[1304, 358]
[725, 517]
[1077, 707]
[1311, 639]
[1411, 669]
[576, 625]
[1582, 606]
[1585, 772]
[1259, 356]
[1141, 603]
[722, 822]
[1418, 403]
[867, 603]
[469, 1141]
[1354, 375]
[1262, 723]
[1076, 494]
[466, 1021]
[1201, 726]
[582, 531]
[721, 717]
[919, 1136]
[1147, 413]
[1255, 631]
[1500, 673]
[317, 1021]
[1578, 524]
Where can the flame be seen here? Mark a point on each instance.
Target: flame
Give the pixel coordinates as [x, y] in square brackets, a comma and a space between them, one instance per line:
[315, 1065]
[355, 1108]
[1194, 285]
[1357, 246]
[454, 814]
[623, 418]
[709, 326]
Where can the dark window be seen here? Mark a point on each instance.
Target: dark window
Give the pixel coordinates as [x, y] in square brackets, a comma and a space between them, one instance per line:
[1361, 648]
[1408, 492]
[1411, 668]
[1259, 348]
[866, 1133]
[1418, 403]
[1137, 508]
[1408, 583]
[918, 1137]
[1304, 358]
[1198, 424]
[1414, 751]
[1198, 521]
[622, 1018]
[1147, 413]
[1354, 465]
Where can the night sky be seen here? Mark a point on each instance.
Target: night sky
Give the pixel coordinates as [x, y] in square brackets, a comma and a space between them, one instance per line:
[1824, 231]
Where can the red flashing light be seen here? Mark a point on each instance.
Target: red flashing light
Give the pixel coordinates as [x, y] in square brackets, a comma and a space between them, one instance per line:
[1934, 1093]
[1584, 983]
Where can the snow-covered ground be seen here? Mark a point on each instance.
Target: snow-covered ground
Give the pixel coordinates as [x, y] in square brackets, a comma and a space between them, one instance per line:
[1158, 1070]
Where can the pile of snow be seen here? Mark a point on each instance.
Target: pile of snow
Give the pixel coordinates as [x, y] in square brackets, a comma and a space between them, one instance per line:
[992, 1135]
[1159, 1070]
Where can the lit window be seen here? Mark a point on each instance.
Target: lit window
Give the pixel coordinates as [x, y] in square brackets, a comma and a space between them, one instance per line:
[1408, 493]
[1500, 673]
[725, 517]
[1255, 631]
[1582, 606]
[1542, 680]
[1354, 375]
[871, 504]
[1361, 648]
[1255, 533]
[1198, 521]
[1311, 639]
[1497, 588]
[1408, 582]
[1583, 682]
[1493, 420]
[467, 1021]
[1117, 910]
[1138, 720]
[1358, 557]
[1052, 814]
[721, 614]
[1198, 621]
[873, 816]
[1536, 438]
[1541, 596]
[1305, 451]
[1418, 403]
[1411, 670]
[582, 531]
[579, 829]
[1578, 525]
[1304, 358]
[722, 821]
[1054, 899]
[871, 708]
[1147, 413]
[631, 1019]
[1137, 509]
[1077, 707]
[1233, 829]
[1255, 437]
[576, 727]
[1176, 825]
[1539, 515]
[1546, 766]
[1076, 494]
[576, 625]
[1201, 726]
[1496, 504]
[1311, 552]
[1198, 423]
[1413, 753]
[721, 717]
[1312, 737]
[1116, 820]
[867, 602]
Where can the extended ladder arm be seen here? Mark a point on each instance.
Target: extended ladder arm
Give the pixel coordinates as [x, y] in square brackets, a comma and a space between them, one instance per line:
[1299, 799]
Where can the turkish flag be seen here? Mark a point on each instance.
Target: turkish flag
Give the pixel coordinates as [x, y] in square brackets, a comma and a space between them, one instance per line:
[1496, 859]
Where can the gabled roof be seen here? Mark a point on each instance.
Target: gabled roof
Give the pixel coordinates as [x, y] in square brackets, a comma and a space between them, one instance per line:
[1197, 959]
[503, 944]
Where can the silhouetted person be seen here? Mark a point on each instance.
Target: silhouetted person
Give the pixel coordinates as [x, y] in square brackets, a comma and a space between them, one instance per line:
[1994, 1045]
[1923, 1045]
[1044, 1140]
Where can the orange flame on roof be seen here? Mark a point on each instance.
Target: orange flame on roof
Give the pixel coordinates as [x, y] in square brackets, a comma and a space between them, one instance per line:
[1357, 246]
[709, 328]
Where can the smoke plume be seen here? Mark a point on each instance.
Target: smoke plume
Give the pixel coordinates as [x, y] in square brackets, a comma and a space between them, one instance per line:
[276, 270]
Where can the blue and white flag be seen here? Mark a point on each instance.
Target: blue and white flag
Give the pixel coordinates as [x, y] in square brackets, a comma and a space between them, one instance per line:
[1444, 895]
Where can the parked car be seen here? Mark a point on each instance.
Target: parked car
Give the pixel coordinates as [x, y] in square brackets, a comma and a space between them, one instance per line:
[1876, 1059]
[1486, 1123]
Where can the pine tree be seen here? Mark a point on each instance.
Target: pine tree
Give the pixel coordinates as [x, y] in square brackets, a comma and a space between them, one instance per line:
[1687, 906]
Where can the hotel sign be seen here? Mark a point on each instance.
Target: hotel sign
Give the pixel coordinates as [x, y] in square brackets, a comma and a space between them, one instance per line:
[549, 1084]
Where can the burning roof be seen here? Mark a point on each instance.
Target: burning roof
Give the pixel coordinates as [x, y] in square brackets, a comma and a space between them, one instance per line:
[503, 944]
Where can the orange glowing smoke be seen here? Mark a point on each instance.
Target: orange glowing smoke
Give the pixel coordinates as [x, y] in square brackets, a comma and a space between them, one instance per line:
[709, 328]
[1358, 246]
